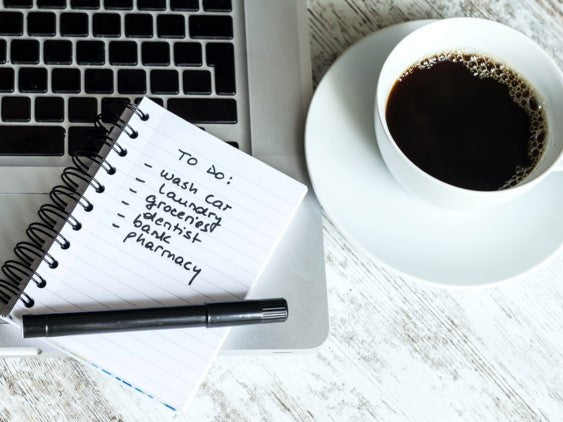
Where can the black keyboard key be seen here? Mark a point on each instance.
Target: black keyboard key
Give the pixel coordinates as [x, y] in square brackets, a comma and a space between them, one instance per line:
[151, 4]
[155, 54]
[49, 109]
[82, 109]
[123, 53]
[16, 109]
[164, 82]
[74, 24]
[132, 81]
[32, 79]
[90, 52]
[106, 25]
[171, 26]
[197, 82]
[23, 4]
[217, 5]
[187, 54]
[138, 25]
[83, 140]
[51, 4]
[233, 144]
[159, 101]
[42, 23]
[208, 26]
[112, 107]
[65, 80]
[184, 5]
[204, 110]
[6, 80]
[85, 4]
[57, 52]
[32, 140]
[2, 51]
[11, 23]
[98, 81]
[221, 56]
[24, 51]
[118, 4]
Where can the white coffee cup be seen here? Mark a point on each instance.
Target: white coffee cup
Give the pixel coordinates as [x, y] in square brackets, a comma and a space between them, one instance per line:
[490, 39]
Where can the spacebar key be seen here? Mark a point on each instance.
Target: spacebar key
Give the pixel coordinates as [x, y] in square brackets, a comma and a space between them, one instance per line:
[32, 140]
[205, 110]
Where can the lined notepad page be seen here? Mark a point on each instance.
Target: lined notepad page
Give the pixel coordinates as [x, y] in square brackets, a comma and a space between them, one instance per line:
[185, 219]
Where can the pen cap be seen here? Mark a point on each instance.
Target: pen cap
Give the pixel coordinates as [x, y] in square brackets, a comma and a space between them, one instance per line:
[246, 312]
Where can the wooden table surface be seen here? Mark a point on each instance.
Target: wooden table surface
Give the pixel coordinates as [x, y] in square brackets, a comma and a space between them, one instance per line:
[396, 350]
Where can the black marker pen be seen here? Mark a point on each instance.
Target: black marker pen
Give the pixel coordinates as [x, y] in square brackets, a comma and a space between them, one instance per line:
[219, 314]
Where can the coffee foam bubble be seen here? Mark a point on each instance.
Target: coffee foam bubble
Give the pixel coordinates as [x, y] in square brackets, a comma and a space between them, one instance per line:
[520, 91]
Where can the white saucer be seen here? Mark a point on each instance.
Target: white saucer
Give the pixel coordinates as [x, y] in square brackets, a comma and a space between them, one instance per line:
[416, 239]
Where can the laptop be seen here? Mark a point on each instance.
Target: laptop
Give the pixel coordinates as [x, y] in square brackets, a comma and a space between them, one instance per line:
[238, 69]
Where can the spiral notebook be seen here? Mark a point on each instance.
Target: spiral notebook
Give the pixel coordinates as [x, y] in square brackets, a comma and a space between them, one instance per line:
[165, 215]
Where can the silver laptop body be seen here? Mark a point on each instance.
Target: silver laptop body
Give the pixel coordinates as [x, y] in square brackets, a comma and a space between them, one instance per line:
[273, 77]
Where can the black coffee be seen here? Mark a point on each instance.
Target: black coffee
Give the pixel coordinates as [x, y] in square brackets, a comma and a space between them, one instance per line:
[467, 120]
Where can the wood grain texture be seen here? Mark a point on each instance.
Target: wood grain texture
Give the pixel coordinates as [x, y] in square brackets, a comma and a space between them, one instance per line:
[396, 350]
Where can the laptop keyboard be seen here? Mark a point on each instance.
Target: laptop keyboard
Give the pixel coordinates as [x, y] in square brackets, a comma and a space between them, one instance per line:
[62, 61]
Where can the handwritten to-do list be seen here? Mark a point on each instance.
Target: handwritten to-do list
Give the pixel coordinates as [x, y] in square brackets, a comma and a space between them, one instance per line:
[177, 209]
[184, 219]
